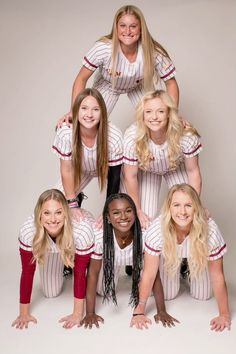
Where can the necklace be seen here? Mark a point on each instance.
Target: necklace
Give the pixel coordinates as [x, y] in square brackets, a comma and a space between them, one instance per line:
[123, 240]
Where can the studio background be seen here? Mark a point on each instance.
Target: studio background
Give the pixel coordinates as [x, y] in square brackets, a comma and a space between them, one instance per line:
[42, 45]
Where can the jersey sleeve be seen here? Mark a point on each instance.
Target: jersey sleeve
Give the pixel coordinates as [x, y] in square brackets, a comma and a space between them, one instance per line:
[80, 268]
[190, 145]
[62, 144]
[115, 146]
[98, 244]
[27, 275]
[153, 239]
[97, 55]
[216, 243]
[83, 237]
[130, 156]
[26, 234]
[164, 67]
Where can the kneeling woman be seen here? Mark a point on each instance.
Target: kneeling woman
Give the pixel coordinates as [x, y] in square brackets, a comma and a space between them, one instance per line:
[182, 231]
[50, 239]
[118, 244]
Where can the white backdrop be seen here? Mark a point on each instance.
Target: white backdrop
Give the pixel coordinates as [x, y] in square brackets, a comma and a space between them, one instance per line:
[42, 43]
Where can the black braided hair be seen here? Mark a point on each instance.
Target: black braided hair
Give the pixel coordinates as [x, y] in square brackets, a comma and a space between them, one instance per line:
[109, 253]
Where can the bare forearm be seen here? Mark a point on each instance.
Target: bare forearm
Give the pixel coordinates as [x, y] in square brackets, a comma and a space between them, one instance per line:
[78, 307]
[195, 180]
[131, 185]
[221, 296]
[67, 177]
[24, 309]
[173, 90]
[159, 294]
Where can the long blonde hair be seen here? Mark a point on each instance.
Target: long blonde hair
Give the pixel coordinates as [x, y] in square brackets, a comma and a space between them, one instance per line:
[64, 241]
[102, 138]
[149, 46]
[175, 130]
[198, 234]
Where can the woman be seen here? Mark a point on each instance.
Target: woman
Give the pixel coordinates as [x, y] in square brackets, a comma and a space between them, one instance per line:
[158, 145]
[183, 231]
[50, 239]
[118, 244]
[91, 147]
[128, 60]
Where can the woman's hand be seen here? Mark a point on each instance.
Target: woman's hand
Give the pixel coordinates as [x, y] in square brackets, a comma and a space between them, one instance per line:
[144, 219]
[219, 323]
[71, 321]
[92, 319]
[22, 321]
[67, 118]
[140, 321]
[76, 214]
[165, 318]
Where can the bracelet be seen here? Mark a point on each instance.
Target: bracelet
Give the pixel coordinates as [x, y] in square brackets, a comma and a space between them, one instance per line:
[138, 314]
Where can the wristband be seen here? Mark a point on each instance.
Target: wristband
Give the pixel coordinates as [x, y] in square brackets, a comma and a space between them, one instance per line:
[138, 314]
[73, 203]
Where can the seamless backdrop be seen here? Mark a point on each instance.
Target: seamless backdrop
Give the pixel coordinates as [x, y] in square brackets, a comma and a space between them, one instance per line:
[42, 44]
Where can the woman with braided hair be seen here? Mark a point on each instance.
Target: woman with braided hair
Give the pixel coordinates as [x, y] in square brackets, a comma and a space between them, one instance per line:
[120, 243]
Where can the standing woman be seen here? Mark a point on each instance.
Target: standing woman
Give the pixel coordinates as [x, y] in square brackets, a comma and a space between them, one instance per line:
[158, 145]
[128, 60]
[51, 240]
[118, 244]
[183, 231]
[91, 147]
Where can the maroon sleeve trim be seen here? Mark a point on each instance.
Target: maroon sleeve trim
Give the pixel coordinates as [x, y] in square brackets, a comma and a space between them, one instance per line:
[192, 152]
[128, 159]
[86, 59]
[84, 249]
[218, 252]
[152, 249]
[169, 73]
[66, 155]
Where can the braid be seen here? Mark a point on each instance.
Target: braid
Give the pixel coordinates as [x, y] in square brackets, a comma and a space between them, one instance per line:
[109, 253]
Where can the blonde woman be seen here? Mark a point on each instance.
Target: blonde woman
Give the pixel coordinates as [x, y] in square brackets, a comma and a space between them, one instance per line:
[158, 146]
[183, 231]
[51, 240]
[127, 60]
[92, 147]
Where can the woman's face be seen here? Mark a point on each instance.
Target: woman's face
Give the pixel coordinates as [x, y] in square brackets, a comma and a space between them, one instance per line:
[155, 115]
[181, 209]
[52, 217]
[121, 215]
[128, 30]
[89, 112]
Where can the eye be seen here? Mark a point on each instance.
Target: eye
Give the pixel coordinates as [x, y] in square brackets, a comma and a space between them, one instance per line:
[133, 26]
[147, 111]
[189, 205]
[96, 109]
[175, 205]
[59, 212]
[129, 210]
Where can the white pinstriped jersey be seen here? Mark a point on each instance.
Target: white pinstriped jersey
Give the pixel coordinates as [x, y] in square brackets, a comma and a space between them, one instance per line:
[128, 75]
[189, 146]
[122, 256]
[82, 235]
[154, 241]
[62, 147]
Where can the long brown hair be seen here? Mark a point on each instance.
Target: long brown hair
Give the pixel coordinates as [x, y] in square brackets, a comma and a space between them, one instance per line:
[102, 138]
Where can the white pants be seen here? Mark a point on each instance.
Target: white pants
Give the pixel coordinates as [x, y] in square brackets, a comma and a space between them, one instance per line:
[200, 288]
